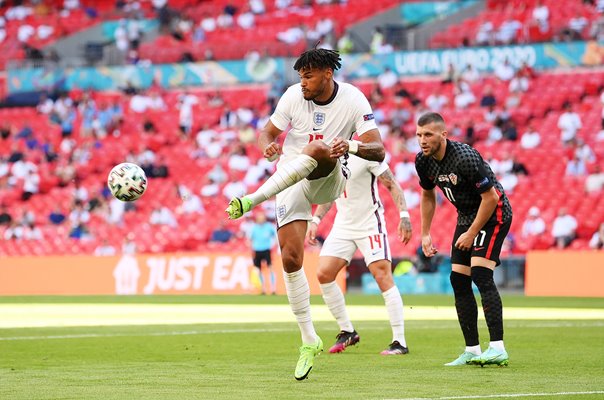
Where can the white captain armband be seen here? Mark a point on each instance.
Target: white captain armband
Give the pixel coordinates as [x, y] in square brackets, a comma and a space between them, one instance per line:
[404, 214]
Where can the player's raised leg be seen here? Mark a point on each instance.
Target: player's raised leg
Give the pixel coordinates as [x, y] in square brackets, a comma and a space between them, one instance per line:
[314, 162]
[291, 239]
[328, 269]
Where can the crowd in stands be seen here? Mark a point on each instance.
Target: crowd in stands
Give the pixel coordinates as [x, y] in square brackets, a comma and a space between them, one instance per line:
[542, 133]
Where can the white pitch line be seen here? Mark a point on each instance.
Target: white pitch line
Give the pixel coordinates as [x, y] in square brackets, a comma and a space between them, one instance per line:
[81, 314]
[509, 395]
[175, 333]
[291, 328]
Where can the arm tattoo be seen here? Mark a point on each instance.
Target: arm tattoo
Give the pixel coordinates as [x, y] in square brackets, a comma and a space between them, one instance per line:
[371, 151]
[394, 188]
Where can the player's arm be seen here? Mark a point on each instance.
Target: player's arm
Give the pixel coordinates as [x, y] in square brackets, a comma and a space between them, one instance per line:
[427, 209]
[369, 146]
[266, 140]
[488, 204]
[320, 212]
[404, 225]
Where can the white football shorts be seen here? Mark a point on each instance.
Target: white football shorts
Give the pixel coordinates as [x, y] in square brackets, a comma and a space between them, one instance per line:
[295, 202]
[372, 247]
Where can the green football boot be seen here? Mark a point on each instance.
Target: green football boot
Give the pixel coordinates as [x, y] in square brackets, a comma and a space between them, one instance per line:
[238, 206]
[491, 357]
[463, 359]
[308, 352]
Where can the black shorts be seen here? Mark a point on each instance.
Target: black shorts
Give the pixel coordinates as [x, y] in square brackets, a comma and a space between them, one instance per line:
[487, 243]
[262, 255]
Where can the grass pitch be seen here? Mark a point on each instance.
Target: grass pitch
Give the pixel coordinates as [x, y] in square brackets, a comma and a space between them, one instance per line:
[147, 347]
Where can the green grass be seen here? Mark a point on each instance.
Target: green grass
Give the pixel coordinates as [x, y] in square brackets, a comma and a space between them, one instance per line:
[256, 361]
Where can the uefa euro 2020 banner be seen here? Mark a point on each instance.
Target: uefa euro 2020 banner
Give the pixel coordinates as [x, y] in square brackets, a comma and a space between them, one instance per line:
[405, 63]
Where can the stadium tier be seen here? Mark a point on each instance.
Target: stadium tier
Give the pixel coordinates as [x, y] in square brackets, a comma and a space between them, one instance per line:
[92, 157]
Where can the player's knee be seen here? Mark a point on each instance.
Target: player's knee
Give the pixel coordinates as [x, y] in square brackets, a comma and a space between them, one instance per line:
[292, 260]
[325, 275]
[460, 283]
[316, 149]
[483, 278]
[383, 275]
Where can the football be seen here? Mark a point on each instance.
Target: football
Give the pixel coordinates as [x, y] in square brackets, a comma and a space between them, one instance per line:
[127, 182]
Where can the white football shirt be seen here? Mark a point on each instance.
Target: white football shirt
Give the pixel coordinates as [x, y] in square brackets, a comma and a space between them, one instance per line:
[347, 112]
[360, 209]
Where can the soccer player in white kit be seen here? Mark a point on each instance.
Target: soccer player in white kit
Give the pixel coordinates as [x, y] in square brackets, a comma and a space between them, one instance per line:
[323, 115]
[360, 224]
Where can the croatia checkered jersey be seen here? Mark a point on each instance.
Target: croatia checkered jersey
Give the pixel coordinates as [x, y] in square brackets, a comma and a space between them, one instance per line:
[463, 176]
[360, 210]
[345, 113]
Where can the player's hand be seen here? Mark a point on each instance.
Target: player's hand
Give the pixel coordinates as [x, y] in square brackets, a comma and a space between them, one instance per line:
[339, 147]
[311, 233]
[464, 241]
[271, 152]
[404, 230]
[427, 247]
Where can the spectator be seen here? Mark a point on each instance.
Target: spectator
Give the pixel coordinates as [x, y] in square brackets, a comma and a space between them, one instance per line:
[450, 74]
[584, 152]
[488, 98]
[541, 16]
[531, 138]
[378, 43]
[519, 83]
[105, 249]
[191, 203]
[470, 74]
[508, 31]
[436, 101]
[564, 229]
[163, 216]
[597, 240]
[239, 161]
[14, 231]
[463, 95]
[387, 79]
[595, 181]
[56, 217]
[5, 217]
[533, 225]
[575, 167]
[504, 71]
[569, 124]
[221, 234]
[485, 35]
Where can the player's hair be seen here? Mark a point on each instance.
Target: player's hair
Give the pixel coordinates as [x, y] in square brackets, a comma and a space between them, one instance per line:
[429, 118]
[318, 58]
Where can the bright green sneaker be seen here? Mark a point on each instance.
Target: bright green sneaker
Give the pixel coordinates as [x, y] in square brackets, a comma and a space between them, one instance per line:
[308, 352]
[238, 206]
[491, 357]
[463, 359]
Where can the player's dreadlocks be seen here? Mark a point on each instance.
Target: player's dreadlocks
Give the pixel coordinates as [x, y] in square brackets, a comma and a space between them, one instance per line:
[318, 58]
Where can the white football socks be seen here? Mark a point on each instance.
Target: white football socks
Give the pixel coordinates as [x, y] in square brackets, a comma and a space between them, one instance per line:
[298, 294]
[334, 298]
[497, 345]
[394, 305]
[285, 176]
[474, 349]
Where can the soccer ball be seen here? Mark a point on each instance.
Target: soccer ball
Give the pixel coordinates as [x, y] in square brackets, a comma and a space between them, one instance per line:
[127, 182]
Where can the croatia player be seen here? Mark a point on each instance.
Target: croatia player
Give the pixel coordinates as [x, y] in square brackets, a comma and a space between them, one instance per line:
[360, 224]
[323, 115]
